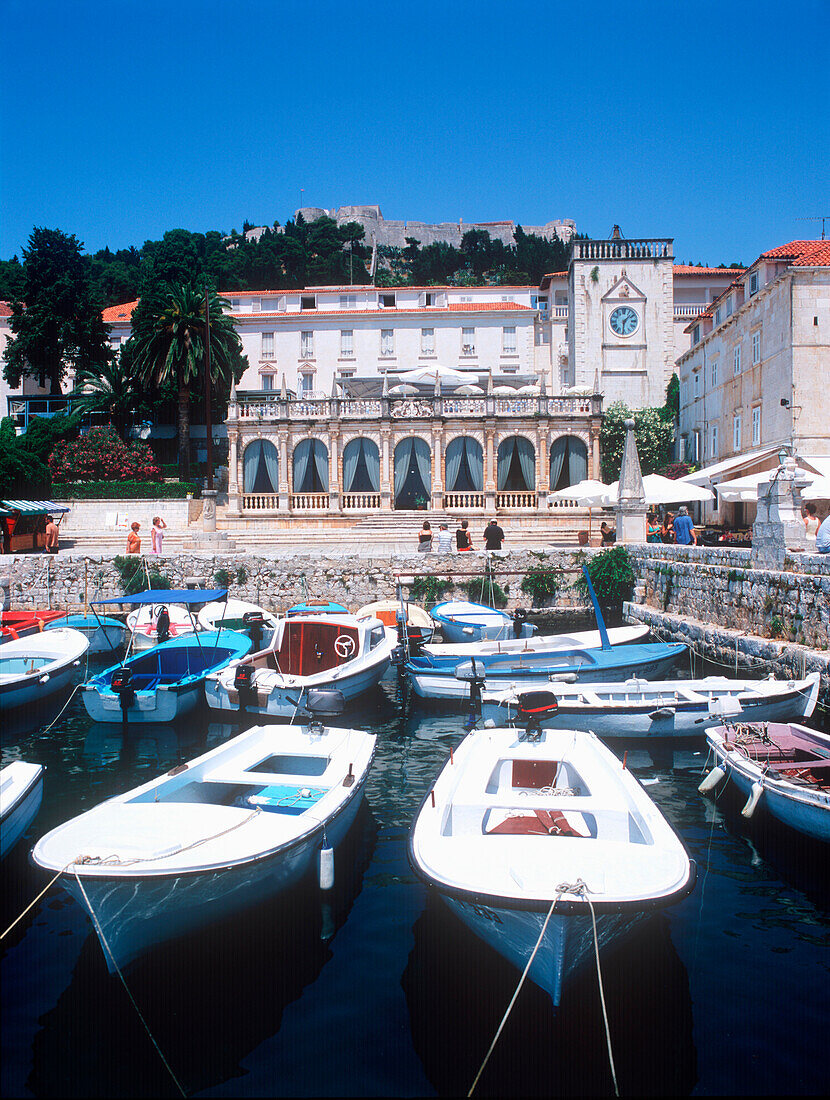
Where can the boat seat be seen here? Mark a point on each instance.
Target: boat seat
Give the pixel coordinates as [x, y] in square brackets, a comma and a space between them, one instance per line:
[550, 822]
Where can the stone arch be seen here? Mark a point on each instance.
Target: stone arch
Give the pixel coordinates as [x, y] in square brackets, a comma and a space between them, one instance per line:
[464, 459]
[361, 465]
[412, 467]
[568, 460]
[516, 463]
[260, 467]
[310, 466]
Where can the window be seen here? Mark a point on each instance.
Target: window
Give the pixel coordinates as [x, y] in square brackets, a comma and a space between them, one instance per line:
[468, 341]
[466, 298]
[756, 425]
[714, 444]
[234, 305]
[696, 334]
[539, 302]
[429, 299]
[729, 306]
[387, 341]
[697, 383]
[267, 381]
[715, 373]
[308, 301]
[737, 359]
[508, 340]
[507, 297]
[753, 283]
[542, 335]
[270, 305]
[386, 301]
[256, 305]
[347, 343]
[306, 384]
[267, 345]
[717, 315]
[306, 345]
[736, 432]
[427, 341]
[756, 347]
[348, 301]
[115, 342]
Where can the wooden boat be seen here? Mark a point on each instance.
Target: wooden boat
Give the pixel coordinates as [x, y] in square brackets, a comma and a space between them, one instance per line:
[465, 621]
[419, 624]
[20, 624]
[657, 709]
[783, 767]
[522, 830]
[236, 825]
[37, 666]
[163, 683]
[105, 634]
[437, 677]
[307, 651]
[21, 792]
[232, 614]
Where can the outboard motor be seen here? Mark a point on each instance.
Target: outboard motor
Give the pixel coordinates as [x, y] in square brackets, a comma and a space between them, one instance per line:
[323, 703]
[519, 620]
[243, 681]
[255, 625]
[163, 624]
[473, 674]
[122, 684]
[532, 707]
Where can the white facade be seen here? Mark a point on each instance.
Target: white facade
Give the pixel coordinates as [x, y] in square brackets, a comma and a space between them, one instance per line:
[28, 385]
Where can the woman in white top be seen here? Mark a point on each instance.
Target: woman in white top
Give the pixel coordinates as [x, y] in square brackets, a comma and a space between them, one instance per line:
[157, 534]
[810, 521]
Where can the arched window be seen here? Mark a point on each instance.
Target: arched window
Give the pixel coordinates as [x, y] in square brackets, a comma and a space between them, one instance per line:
[465, 465]
[311, 467]
[361, 466]
[260, 467]
[412, 473]
[568, 462]
[516, 465]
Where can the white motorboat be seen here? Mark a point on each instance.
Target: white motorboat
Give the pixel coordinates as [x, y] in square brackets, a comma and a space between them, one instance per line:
[656, 708]
[143, 624]
[463, 620]
[106, 635]
[306, 652]
[522, 833]
[21, 792]
[34, 667]
[785, 767]
[231, 828]
[233, 614]
[546, 643]
[419, 624]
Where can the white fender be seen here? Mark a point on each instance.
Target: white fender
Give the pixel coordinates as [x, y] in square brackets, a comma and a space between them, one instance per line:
[754, 797]
[325, 864]
[712, 779]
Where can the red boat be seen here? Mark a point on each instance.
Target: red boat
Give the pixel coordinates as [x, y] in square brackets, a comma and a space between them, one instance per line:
[18, 624]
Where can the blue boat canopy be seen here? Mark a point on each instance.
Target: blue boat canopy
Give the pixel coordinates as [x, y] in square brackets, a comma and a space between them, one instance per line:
[170, 595]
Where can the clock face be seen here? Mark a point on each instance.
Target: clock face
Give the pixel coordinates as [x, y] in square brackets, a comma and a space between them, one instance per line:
[624, 321]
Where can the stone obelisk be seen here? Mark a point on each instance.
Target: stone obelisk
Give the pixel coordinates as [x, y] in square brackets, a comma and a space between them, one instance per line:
[631, 500]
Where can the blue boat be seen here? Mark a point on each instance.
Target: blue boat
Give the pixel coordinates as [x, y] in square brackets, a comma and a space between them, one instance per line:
[436, 677]
[162, 683]
[464, 621]
[105, 634]
[317, 607]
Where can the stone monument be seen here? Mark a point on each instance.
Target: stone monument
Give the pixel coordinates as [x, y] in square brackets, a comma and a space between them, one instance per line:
[779, 526]
[631, 498]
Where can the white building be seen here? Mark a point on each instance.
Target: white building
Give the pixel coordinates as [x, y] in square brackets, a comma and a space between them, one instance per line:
[756, 375]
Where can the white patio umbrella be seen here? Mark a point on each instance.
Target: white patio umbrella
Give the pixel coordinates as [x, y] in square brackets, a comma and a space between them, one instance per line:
[819, 490]
[468, 390]
[588, 492]
[505, 391]
[403, 390]
[662, 490]
[744, 490]
[528, 389]
[447, 375]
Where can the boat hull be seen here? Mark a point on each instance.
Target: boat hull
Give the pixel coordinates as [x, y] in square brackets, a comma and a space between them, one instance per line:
[163, 704]
[137, 914]
[104, 634]
[17, 818]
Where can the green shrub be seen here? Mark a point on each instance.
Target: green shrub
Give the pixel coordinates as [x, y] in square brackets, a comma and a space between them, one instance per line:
[222, 578]
[429, 590]
[611, 575]
[101, 454]
[242, 575]
[540, 585]
[122, 490]
[134, 576]
[485, 590]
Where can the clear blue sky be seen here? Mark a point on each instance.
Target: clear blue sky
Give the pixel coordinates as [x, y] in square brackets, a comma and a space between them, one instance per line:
[704, 122]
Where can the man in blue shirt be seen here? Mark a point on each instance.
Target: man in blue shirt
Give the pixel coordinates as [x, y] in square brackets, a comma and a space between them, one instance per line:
[684, 532]
[823, 537]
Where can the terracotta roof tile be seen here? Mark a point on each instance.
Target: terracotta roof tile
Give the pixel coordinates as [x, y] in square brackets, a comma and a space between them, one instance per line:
[5, 309]
[441, 311]
[800, 253]
[690, 269]
[115, 315]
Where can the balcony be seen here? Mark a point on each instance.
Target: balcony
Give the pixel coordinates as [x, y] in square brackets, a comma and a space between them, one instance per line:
[463, 502]
[309, 502]
[260, 502]
[621, 249]
[688, 312]
[515, 500]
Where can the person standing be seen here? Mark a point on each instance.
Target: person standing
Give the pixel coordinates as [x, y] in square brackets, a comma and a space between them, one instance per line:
[444, 539]
[823, 537]
[133, 540]
[493, 536]
[425, 538]
[51, 543]
[684, 532]
[462, 537]
[157, 534]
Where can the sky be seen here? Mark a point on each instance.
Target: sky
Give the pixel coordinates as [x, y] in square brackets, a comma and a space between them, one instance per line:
[705, 123]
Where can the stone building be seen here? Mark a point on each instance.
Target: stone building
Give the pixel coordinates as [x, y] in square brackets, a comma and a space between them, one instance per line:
[755, 377]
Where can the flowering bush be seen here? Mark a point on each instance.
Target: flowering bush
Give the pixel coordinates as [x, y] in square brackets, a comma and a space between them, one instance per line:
[675, 470]
[101, 455]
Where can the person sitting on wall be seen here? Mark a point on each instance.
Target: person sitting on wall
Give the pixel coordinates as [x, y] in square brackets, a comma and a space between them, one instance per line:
[425, 538]
[493, 536]
[444, 539]
[609, 535]
[823, 537]
[462, 537]
[684, 532]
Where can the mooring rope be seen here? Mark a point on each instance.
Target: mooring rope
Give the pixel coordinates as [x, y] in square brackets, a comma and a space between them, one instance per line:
[106, 945]
[36, 900]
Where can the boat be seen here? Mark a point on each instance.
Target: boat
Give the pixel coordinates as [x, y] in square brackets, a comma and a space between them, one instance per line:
[317, 607]
[162, 683]
[783, 766]
[21, 792]
[659, 708]
[437, 677]
[105, 634]
[37, 666]
[465, 621]
[233, 827]
[19, 624]
[232, 614]
[157, 621]
[528, 834]
[419, 624]
[579, 639]
[306, 651]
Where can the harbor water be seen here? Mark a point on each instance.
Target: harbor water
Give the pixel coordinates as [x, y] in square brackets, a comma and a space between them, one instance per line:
[375, 989]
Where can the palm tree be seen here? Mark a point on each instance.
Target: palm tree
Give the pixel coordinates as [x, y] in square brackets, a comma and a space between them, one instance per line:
[112, 388]
[171, 348]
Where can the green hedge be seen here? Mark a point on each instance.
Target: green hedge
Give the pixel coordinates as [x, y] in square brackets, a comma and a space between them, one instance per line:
[122, 490]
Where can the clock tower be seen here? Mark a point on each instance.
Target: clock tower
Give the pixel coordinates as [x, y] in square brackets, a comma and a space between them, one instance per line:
[620, 324]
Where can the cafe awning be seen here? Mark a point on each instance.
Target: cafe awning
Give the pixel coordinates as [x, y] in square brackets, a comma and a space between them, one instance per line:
[30, 507]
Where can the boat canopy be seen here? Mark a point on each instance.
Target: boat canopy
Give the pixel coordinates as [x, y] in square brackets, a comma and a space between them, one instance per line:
[170, 595]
